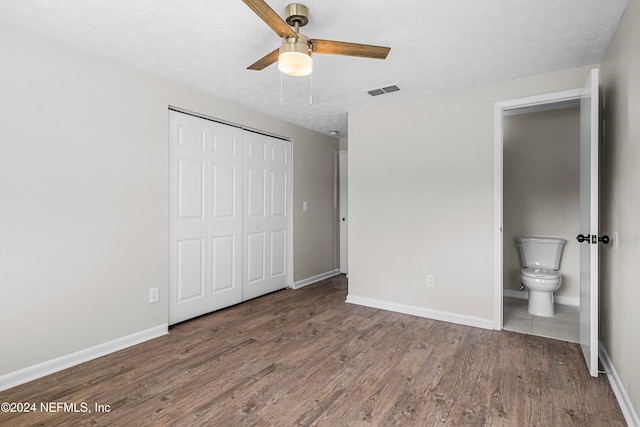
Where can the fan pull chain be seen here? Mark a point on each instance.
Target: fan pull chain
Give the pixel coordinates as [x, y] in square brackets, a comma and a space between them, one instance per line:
[281, 89]
[311, 89]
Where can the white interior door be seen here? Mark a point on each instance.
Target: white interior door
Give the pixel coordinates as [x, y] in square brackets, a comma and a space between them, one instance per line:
[266, 184]
[344, 213]
[224, 218]
[205, 233]
[589, 119]
[187, 248]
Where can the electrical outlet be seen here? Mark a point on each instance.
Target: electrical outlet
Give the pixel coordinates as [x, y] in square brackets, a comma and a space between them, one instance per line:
[431, 281]
[154, 295]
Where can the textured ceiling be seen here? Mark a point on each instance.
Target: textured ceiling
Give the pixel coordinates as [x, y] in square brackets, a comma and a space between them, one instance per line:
[436, 45]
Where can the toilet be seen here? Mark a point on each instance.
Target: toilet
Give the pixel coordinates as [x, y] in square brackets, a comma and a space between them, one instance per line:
[540, 258]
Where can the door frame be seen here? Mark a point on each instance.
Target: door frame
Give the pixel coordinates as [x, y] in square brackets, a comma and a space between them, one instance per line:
[547, 101]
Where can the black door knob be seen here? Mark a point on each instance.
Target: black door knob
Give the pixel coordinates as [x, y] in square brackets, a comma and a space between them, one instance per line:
[582, 238]
[593, 239]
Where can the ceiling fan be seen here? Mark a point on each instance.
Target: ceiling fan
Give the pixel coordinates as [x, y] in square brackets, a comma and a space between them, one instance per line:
[294, 54]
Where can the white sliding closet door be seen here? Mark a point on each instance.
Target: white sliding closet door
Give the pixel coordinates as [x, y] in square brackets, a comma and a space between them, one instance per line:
[266, 214]
[228, 216]
[205, 216]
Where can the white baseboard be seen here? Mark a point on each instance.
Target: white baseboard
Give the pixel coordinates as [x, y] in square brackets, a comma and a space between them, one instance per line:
[43, 369]
[444, 316]
[512, 293]
[630, 415]
[310, 280]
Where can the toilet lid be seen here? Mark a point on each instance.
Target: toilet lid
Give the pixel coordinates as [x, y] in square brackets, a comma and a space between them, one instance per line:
[540, 273]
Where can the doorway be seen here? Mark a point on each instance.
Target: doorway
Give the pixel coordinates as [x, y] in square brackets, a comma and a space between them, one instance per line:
[589, 236]
[541, 197]
[506, 257]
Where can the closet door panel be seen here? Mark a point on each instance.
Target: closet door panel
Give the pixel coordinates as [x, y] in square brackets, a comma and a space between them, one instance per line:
[278, 194]
[191, 174]
[256, 193]
[224, 227]
[278, 253]
[190, 269]
[224, 191]
[255, 257]
[204, 215]
[224, 263]
[279, 208]
[267, 188]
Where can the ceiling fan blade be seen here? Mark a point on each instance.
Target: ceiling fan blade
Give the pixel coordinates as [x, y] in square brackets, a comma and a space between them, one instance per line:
[349, 49]
[265, 61]
[270, 17]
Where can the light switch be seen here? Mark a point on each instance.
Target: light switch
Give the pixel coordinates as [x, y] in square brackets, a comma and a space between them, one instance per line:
[305, 206]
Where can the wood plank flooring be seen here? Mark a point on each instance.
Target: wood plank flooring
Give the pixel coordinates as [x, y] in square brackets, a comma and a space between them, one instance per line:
[305, 357]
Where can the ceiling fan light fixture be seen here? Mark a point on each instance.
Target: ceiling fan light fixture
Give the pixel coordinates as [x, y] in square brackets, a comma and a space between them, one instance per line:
[294, 58]
[301, 64]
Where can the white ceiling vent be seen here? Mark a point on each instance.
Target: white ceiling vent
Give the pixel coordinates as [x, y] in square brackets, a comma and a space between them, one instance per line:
[383, 90]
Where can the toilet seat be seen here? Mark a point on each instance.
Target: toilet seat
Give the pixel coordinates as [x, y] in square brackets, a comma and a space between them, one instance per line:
[542, 274]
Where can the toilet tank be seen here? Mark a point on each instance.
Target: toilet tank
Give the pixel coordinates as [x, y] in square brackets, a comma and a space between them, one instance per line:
[540, 252]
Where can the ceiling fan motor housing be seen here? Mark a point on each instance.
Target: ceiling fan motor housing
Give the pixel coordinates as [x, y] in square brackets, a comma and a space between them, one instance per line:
[292, 44]
[297, 13]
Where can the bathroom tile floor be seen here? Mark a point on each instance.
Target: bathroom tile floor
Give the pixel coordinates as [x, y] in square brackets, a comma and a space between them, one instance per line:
[565, 325]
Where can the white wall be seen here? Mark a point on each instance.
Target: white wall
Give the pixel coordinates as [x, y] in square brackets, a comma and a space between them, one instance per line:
[421, 197]
[620, 195]
[84, 197]
[541, 187]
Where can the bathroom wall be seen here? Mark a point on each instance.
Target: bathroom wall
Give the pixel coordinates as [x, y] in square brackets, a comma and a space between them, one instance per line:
[542, 190]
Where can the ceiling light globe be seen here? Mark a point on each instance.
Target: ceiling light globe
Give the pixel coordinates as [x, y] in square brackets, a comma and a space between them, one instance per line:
[295, 64]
